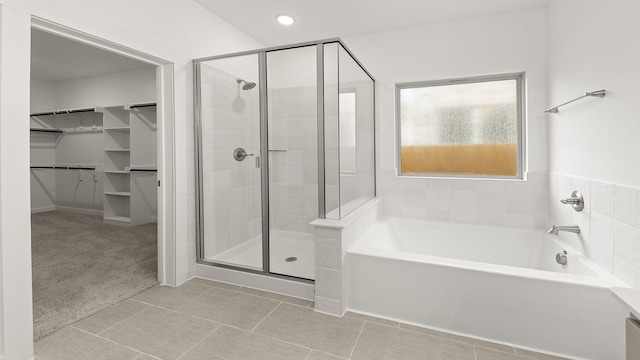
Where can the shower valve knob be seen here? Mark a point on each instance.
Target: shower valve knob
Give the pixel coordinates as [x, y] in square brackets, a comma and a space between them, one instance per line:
[240, 154]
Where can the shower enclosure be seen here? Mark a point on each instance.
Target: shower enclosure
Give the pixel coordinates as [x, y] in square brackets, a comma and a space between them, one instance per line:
[284, 136]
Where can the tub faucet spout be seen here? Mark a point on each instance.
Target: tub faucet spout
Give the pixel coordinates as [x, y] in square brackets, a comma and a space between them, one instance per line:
[571, 228]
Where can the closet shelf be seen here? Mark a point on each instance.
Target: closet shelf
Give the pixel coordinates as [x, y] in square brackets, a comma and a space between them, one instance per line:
[118, 193]
[68, 111]
[84, 131]
[129, 133]
[65, 167]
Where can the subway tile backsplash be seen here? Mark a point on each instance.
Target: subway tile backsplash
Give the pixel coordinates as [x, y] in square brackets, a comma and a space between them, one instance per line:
[610, 223]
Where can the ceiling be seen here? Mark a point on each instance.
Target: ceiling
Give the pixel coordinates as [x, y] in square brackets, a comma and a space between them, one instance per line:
[316, 20]
[54, 58]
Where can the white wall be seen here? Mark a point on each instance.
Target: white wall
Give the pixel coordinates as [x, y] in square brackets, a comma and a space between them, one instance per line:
[121, 88]
[107, 90]
[590, 49]
[193, 32]
[593, 143]
[497, 44]
[43, 95]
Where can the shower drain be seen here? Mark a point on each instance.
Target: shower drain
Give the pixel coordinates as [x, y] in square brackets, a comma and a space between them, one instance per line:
[291, 259]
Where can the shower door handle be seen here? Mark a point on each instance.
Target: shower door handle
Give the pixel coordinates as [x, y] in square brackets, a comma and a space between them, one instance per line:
[240, 154]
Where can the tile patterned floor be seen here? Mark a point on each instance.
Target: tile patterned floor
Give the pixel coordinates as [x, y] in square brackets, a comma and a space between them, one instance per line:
[207, 320]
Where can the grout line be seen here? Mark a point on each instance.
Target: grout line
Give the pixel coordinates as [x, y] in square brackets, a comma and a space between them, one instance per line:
[261, 321]
[114, 342]
[189, 315]
[475, 354]
[151, 356]
[308, 355]
[123, 320]
[357, 339]
[192, 300]
[274, 338]
[199, 342]
[138, 301]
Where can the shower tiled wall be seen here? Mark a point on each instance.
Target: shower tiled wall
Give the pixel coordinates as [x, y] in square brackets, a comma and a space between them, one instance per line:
[609, 223]
[519, 204]
[293, 159]
[232, 204]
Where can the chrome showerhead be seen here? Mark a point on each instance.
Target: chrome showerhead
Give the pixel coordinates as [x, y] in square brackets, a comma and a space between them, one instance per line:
[247, 85]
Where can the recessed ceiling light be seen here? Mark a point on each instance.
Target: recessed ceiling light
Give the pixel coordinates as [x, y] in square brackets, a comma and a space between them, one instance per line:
[285, 19]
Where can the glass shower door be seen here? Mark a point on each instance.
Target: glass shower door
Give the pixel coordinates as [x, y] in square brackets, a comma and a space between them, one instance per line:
[293, 160]
[229, 170]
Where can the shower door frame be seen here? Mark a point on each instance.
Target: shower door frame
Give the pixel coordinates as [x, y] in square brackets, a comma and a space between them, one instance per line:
[264, 154]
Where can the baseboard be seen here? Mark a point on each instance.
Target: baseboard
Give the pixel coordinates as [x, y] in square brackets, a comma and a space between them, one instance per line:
[79, 210]
[41, 210]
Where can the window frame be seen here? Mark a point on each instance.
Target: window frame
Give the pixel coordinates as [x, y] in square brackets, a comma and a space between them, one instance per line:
[521, 124]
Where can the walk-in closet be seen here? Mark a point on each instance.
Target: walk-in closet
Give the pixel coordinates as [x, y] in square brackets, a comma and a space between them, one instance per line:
[94, 179]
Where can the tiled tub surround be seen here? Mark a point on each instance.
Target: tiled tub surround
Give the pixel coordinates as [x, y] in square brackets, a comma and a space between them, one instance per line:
[609, 223]
[489, 282]
[511, 203]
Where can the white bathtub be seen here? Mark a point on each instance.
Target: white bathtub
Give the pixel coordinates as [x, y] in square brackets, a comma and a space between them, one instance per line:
[498, 284]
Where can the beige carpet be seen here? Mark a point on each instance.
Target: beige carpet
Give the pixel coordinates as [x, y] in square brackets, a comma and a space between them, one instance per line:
[82, 266]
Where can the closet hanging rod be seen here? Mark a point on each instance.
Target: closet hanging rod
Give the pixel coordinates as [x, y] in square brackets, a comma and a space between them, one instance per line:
[143, 170]
[597, 93]
[67, 111]
[65, 167]
[133, 106]
[46, 130]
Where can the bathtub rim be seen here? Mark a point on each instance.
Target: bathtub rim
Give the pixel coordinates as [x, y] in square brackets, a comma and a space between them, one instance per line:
[602, 278]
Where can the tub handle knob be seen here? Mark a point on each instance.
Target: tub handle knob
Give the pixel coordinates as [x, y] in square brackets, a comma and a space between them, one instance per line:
[576, 200]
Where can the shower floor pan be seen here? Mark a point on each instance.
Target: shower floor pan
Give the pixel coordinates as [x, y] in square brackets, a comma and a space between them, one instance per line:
[291, 253]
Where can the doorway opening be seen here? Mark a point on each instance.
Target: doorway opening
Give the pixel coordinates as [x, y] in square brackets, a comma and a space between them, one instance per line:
[98, 225]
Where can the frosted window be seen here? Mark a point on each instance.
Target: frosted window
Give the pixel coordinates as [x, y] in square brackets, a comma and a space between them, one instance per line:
[468, 128]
